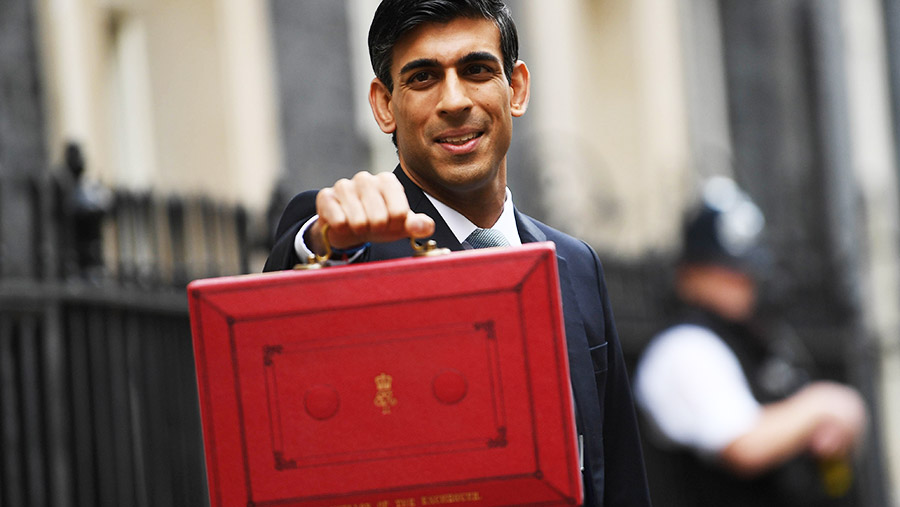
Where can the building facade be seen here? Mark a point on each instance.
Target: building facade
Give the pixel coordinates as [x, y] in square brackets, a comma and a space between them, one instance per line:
[217, 111]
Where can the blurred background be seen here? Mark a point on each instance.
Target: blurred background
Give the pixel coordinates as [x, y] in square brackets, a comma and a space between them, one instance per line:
[146, 143]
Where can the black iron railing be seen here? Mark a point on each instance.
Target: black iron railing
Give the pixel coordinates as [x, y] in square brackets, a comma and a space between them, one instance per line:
[98, 398]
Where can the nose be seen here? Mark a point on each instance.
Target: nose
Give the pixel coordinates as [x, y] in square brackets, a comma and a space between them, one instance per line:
[454, 95]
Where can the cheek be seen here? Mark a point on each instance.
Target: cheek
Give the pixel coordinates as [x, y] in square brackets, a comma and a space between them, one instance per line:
[404, 128]
[503, 95]
[410, 115]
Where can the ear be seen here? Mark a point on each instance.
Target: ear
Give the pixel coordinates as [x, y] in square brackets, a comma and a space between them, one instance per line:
[521, 89]
[380, 101]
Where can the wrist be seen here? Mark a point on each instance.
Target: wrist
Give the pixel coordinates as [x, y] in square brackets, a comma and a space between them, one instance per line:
[350, 250]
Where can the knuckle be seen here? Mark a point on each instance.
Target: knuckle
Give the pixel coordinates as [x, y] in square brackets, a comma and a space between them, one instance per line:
[363, 176]
[342, 185]
[386, 177]
[325, 195]
[389, 181]
[333, 219]
[325, 206]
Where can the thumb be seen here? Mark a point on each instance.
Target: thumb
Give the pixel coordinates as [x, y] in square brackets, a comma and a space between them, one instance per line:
[419, 225]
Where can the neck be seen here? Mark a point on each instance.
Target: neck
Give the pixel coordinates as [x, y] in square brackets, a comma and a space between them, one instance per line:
[482, 204]
[481, 208]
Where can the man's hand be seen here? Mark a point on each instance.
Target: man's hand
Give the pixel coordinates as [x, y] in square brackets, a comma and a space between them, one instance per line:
[825, 418]
[843, 423]
[366, 208]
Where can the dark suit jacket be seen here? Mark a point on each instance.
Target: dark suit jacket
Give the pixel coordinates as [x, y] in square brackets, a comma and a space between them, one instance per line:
[614, 466]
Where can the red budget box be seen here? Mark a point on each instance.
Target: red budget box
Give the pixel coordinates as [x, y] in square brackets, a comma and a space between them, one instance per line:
[425, 381]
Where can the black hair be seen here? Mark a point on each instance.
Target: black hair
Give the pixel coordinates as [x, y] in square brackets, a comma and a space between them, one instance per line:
[394, 18]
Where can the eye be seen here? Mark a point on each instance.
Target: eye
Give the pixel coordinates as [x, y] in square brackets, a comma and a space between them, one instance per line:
[479, 70]
[419, 78]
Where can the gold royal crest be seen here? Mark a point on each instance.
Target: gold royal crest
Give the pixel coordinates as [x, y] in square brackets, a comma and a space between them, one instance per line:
[384, 397]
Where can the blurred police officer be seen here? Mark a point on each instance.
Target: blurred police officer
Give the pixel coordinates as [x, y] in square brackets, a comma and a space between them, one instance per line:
[732, 421]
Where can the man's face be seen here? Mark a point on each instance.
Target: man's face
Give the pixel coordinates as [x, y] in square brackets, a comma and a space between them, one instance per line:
[452, 107]
[727, 291]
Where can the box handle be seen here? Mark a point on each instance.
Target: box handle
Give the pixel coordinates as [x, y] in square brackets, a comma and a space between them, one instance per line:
[315, 261]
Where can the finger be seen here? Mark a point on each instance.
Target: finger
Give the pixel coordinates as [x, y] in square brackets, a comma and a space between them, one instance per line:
[330, 214]
[329, 209]
[831, 439]
[372, 198]
[348, 195]
[395, 200]
[826, 446]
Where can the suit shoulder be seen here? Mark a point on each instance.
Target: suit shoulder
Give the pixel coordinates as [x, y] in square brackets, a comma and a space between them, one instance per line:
[566, 245]
[300, 208]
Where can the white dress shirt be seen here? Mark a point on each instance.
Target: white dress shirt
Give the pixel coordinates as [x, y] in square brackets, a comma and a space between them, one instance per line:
[462, 227]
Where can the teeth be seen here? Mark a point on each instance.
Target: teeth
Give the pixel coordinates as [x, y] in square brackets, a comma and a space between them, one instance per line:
[460, 140]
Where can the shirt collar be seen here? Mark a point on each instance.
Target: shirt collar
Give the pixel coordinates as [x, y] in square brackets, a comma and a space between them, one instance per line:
[462, 227]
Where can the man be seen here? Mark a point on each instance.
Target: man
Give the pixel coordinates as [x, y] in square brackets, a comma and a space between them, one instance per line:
[735, 419]
[447, 86]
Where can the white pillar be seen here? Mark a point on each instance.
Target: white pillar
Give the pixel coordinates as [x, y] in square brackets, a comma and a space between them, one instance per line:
[253, 139]
[875, 169]
[611, 128]
[382, 154]
[130, 136]
[70, 49]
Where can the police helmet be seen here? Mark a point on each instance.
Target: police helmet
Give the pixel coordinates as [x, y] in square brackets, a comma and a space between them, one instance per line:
[726, 229]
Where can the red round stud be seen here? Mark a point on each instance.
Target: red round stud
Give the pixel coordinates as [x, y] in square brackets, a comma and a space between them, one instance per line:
[450, 387]
[322, 402]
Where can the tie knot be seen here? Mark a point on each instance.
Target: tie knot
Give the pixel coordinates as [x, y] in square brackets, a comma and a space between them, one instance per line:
[484, 238]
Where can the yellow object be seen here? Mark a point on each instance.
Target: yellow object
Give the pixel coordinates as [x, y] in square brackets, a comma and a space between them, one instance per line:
[837, 477]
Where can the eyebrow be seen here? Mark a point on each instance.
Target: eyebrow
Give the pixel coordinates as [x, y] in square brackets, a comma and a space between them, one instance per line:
[424, 63]
[421, 63]
[479, 56]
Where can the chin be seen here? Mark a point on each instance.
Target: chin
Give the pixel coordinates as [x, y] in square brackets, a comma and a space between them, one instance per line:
[469, 178]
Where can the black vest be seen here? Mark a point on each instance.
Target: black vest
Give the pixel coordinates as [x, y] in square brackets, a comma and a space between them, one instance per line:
[679, 478]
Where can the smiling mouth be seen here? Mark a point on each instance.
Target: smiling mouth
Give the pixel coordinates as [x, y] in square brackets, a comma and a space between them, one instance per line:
[460, 140]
